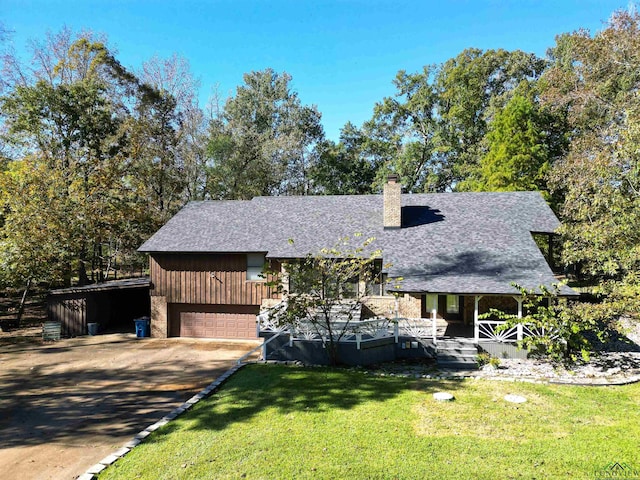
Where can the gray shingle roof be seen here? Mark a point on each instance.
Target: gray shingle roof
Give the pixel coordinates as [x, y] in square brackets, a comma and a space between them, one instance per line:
[450, 242]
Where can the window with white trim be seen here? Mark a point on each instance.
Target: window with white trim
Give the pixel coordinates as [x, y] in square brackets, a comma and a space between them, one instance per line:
[453, 304]
[255, 266]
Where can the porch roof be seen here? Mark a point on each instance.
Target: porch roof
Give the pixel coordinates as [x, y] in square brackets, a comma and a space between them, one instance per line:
[480, 285]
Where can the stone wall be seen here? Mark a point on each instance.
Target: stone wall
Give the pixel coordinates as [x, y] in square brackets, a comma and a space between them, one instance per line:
[409, 306]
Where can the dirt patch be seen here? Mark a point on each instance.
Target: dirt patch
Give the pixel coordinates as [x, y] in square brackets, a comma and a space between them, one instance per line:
[66, 405]
[35, 312]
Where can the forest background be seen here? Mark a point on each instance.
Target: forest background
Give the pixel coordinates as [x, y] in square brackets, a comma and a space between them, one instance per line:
[95, 157]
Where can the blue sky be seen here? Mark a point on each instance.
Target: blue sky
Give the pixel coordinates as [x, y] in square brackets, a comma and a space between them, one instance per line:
[342, 55]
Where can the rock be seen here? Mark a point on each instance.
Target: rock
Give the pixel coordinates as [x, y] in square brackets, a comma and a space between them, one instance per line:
[515, 398]
[443, 397]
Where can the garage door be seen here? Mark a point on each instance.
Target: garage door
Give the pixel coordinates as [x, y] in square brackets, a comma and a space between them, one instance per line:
[238, 321]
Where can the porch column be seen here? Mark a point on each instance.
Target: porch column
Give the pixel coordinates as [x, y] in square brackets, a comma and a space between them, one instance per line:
[434, 316]
[476, 324]
[519, 332]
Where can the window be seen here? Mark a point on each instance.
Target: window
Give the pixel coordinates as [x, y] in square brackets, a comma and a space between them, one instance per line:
[453, 305]
[350, 289]
[255, 265]
[311, 281]
[377, 284]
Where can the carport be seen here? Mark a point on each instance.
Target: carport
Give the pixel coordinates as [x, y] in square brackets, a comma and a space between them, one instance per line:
[112, 305]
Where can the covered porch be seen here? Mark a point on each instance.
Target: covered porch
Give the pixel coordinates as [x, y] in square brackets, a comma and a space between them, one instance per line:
[451, 316]
[446, 329]
[435, 317]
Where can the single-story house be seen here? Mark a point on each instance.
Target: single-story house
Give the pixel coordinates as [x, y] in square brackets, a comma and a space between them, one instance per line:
[458, 255]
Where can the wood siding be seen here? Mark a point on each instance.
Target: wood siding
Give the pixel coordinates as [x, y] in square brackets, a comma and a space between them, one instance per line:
[111, 309]
[71, 311]
[219, 279]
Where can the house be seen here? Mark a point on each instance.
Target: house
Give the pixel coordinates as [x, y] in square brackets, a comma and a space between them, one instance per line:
[458, 255]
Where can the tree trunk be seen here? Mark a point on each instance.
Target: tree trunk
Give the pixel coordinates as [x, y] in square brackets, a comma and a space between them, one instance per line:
[22, 302]
[83, 279]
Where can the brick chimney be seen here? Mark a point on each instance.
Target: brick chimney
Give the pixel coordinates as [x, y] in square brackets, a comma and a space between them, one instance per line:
[391, 202]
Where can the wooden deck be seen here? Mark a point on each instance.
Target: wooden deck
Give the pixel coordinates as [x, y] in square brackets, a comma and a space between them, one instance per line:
[458, 330]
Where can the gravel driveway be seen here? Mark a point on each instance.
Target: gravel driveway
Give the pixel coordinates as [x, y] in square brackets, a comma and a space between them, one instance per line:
[66, 405]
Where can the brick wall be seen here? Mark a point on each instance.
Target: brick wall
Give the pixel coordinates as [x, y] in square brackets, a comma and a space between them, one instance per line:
[379, 307]
[411, 305]
[391, 209]
[159, 326]
[506, 304]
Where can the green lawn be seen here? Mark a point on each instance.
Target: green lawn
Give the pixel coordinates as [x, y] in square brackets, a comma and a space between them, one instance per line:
[286, 422]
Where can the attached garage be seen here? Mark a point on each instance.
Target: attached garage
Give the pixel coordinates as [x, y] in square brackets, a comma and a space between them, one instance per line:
[213, 321]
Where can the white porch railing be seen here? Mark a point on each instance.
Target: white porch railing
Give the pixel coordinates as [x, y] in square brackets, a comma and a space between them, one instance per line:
[489, 332]
[418, 327]
[356, 331]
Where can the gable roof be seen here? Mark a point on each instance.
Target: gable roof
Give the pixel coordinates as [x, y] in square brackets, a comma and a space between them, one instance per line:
[466, 243]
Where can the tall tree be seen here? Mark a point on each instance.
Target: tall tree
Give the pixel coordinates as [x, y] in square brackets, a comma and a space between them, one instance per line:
[402, 131]
[521, 146]
[180, 167]
[595, 81]
[65, 120]
[433, 130]
[263, 141]
[472, 87]
[344, 168]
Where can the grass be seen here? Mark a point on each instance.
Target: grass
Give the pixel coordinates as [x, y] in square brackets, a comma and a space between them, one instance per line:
[273, 422]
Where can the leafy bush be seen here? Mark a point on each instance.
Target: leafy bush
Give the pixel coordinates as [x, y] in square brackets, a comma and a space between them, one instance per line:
[563, 328]
[483, 358]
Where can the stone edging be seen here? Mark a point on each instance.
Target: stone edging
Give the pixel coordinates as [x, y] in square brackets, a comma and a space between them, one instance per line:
[92, 471]
[446, 375]
[595, 382]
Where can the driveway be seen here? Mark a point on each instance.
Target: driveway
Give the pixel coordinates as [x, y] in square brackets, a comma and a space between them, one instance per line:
[66, 405]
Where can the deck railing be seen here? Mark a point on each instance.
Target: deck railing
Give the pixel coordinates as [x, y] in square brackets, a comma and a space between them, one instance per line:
[262, 346]
[345, 331]
[356, 331]
[489, 331]
[359, 331]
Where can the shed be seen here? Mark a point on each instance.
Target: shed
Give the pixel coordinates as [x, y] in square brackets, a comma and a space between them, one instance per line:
[112, 305]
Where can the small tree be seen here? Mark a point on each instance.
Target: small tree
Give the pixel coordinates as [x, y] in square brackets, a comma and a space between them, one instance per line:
[561, 330]
[323, 293]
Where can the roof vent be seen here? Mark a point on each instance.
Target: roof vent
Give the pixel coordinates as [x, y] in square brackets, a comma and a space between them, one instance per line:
[391, 202]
